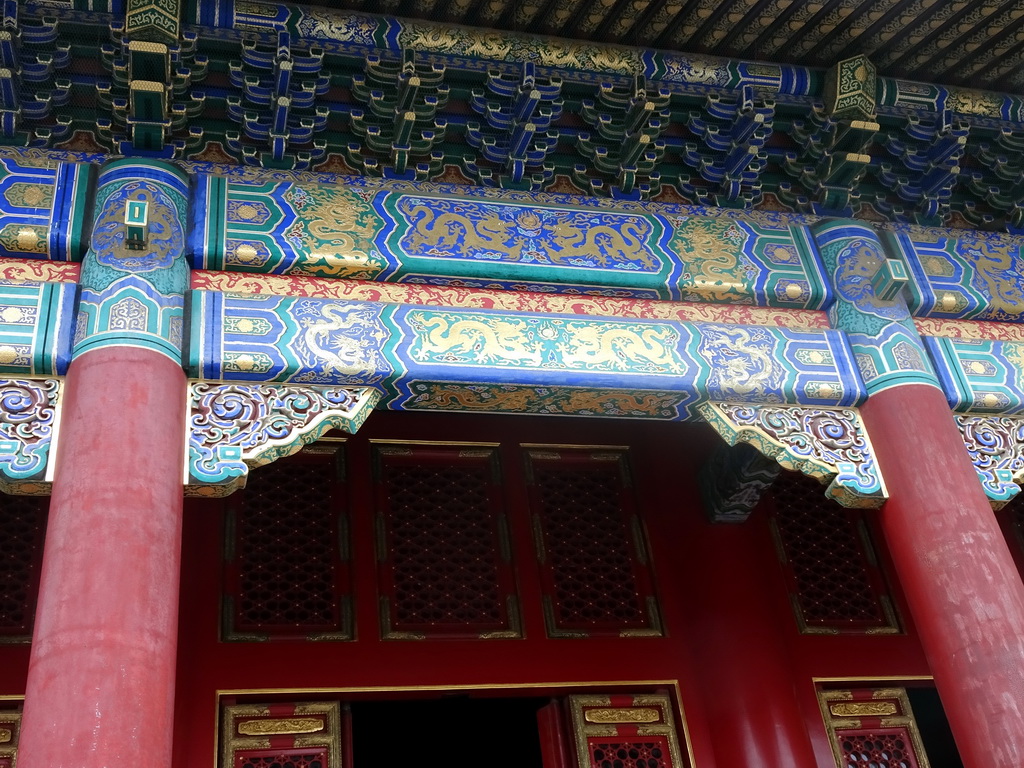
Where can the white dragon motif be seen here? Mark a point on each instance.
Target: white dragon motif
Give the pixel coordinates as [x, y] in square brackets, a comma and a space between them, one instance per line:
[341, 353]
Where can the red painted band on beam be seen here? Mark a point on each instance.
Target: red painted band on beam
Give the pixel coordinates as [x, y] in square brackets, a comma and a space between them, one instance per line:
[39, 270]
[520, 301]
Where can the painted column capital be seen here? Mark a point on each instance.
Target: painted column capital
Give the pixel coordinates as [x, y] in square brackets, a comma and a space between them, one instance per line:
[130, 296]
[869, 306]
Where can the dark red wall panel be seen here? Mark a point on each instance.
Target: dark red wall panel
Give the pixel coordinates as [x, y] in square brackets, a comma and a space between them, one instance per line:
[687, 571]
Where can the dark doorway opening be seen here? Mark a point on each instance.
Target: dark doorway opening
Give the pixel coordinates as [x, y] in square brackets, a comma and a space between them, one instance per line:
[456, 732]
[934, 728]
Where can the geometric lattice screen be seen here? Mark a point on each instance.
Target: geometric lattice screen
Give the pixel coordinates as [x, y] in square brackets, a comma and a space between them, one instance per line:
[286, 564]
[444, 558]
[590, 543]
[872, 728]
[282, 735]
[442, 545]
[22, 530]
[625, 731]
[835, 583]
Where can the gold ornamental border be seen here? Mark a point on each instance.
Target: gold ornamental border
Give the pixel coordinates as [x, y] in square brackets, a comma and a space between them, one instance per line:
[884, 686]
[585, 728]
[9, 745]
[583, 687]
[314, 725]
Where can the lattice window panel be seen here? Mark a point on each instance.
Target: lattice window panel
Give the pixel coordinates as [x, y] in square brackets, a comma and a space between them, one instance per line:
[595, 570]
[292, 758]
[22, 529]
[443, 551]
[835, 582]
[625, 731]
[281, 735]
[648, 753]
[872, 727]
[287, 571]
[882, 747]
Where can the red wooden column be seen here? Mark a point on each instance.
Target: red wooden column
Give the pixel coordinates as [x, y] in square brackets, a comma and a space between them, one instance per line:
[955, 568]
[745, 672]
[100, 689]
[736, 622]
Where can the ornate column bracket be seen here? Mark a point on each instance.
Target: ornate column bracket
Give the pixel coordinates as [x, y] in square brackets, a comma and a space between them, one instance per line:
[996, 448]
[829, 444]
[732, 481]
[237, 427]
[29, 420]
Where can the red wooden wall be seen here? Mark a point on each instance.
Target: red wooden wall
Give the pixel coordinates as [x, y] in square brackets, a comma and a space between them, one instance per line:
[730, 635]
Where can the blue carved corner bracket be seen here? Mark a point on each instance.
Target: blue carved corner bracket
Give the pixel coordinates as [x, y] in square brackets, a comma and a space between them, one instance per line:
[829, 444]
[236, 427]
[29, 420]
[996, 447]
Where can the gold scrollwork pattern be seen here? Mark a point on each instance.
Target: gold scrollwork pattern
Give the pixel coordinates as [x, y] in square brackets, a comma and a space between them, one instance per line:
[872, 724]
[10, 729]
[248, 727]
[24, 238]
[622, 715]
[281, 725]
[863, 709]
[640, 715]
[22, 194]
